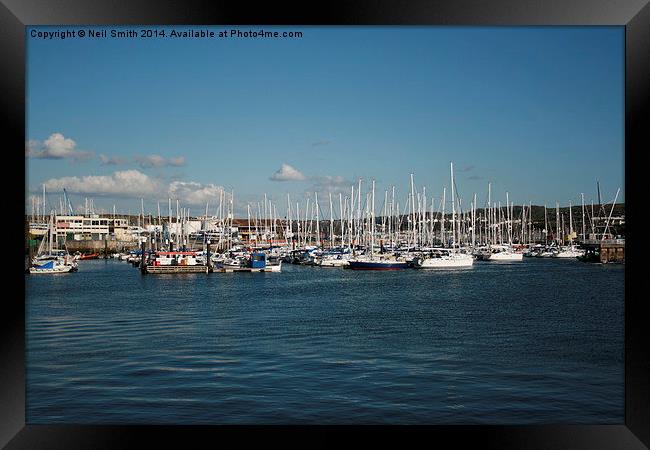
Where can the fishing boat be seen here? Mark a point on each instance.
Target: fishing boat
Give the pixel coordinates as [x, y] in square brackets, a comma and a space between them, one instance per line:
[443, 258]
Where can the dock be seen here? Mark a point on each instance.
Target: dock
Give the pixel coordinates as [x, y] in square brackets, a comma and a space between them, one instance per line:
[241, 269]
[606, 251]
[175, 269]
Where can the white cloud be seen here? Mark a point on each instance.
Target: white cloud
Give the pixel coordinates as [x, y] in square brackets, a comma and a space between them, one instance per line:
[195, 193]
[56, 146]
[135, 184]
[126, 183]
[333, 184]
[287, 173]
[111, 160]
[149, 161]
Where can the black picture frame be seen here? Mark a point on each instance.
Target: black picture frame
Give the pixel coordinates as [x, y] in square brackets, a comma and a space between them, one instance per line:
[633, 15]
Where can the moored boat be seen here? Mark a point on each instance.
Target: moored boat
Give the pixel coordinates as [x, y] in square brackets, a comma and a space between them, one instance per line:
[52, 264]
[50, 260]
[377, 263]
[443, 259]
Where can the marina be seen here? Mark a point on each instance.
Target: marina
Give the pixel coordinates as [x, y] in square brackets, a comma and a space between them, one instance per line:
[357, 235]
[353, 225]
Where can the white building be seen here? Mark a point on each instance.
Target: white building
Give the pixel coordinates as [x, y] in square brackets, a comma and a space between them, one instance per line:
[91, 228]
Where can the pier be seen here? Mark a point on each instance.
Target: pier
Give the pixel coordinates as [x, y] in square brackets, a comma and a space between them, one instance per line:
[242, 269]
[175, 269]
[605, 251]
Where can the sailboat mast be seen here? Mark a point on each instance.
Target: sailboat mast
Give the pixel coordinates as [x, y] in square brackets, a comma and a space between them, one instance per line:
[413, 210]
[474, 221]
[570, 223]
[318, 241]
[331, 222]
[341, 216]
[582, 197]
[453, 207]
[442, 222]
[372, 222]
[489, 215]
[557, 221]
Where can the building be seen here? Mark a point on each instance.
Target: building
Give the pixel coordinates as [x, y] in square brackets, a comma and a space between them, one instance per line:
[93, 227]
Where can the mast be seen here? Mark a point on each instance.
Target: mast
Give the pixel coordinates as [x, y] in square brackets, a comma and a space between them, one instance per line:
[392, 212]
[530, 222]
[341, 215]
[557, 221]
[453, 208]
[372, 223]
[508, 219]
[52, 231]
[331, 222]
[582, 196]
[610, 214]
[318, 241]
[489, 215]
[413, 209]
[358, 211]
[442, 222]
[474, 221]
[570, 224]
[545, 227]
[289, 227]
[351, 218]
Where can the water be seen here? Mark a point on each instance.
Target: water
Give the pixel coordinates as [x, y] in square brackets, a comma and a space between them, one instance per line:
[538, 341]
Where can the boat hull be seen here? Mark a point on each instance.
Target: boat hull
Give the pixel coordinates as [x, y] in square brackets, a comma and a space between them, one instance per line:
[377, 265]
[90, 256]
[569, 254]
[58, 269]
[506, 257]
[444, 263]
[333, 263]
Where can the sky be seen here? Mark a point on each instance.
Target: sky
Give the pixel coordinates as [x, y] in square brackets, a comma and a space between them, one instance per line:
[538, 112]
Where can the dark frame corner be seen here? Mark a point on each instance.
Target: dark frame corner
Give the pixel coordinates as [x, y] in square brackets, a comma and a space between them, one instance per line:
[633, 14]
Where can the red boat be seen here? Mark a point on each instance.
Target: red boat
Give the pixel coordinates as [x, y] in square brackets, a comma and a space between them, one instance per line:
[89, 256]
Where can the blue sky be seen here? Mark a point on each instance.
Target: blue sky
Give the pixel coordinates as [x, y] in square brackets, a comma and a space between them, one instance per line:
[537, 111]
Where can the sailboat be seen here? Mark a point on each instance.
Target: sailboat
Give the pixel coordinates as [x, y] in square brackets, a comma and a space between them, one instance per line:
[372, 261]
[442, 258]
[51, 260]
[572, 251]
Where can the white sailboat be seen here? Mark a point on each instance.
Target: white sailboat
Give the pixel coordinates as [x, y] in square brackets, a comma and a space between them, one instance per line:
[505, 253]
[51, 260]
[444, 258]
[571, 251]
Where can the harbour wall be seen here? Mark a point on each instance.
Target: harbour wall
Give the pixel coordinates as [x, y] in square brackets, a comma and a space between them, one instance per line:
[90, 246]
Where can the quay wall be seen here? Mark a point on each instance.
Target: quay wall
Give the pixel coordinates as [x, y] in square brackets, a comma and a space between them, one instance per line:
[89, 246]
[612, 252]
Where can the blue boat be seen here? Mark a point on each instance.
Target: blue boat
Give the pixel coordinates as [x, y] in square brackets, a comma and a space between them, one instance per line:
[379, 264]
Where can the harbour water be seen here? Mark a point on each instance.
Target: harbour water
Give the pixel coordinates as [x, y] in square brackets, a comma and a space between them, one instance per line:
[538, 341]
